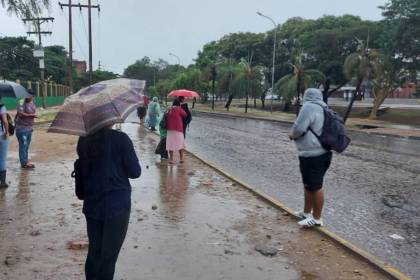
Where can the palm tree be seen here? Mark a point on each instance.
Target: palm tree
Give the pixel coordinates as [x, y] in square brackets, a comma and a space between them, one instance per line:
[225, 78]
[294, 84]
[25, 8]
[248, 81]
[359, 66]
[387, 77]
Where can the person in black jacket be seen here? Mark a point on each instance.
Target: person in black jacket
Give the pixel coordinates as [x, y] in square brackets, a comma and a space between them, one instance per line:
[188, 119]
[107, 160]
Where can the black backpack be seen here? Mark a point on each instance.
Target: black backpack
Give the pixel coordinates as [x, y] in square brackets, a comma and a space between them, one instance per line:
[12, 126]
[333, 135]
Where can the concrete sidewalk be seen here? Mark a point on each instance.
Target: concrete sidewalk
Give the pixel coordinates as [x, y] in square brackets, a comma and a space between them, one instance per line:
[187, 222]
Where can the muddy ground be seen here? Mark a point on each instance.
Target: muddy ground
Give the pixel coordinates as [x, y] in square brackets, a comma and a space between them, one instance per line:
[205, 226]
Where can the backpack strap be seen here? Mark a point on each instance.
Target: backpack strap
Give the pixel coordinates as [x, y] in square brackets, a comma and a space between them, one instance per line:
[310, 128]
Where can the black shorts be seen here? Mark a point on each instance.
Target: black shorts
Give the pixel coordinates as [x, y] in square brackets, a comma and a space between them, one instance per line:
[141, 112]
[313, 170]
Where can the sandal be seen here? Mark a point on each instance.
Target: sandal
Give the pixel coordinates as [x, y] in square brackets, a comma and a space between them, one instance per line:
[310, 222]
[28, 166]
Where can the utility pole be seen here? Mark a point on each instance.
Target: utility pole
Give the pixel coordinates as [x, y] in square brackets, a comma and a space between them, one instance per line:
[70, 46]
[89, 6]
[40, 52]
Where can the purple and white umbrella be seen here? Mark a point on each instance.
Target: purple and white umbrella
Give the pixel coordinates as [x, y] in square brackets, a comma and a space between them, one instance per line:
[98, 106]
[13, 90]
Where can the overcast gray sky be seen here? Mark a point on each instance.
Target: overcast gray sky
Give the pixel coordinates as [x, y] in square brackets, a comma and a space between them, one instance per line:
[130, 29]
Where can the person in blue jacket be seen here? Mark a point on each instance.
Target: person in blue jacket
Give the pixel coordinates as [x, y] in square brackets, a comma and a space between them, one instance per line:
[108, 160]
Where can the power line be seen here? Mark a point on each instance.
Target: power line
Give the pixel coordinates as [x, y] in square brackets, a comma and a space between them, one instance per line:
[77, 39]
[89, 6]
[84, 25]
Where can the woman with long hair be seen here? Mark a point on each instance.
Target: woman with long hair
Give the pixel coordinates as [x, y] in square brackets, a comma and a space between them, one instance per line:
[107, 162]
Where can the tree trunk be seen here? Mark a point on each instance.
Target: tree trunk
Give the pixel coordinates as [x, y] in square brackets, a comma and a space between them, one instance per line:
[335, 89]
[377, 102]
[255, 102]
[263, 101]
[325, 92]
[227, 106]
[194, 100]
[246, 104]
[298, 91]
[359, 85]
[286, 106]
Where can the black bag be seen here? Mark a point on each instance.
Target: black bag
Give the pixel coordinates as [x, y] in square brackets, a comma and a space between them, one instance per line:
[164, 121]
[161, 147]
[188, 119]
[333, 135]
[77, 175]
[12, 126]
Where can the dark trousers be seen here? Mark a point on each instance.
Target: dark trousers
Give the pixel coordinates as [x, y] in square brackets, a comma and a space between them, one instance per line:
[105, 240]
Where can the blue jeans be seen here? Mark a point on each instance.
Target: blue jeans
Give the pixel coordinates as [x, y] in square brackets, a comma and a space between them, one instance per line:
[4, 148]
[24, 138]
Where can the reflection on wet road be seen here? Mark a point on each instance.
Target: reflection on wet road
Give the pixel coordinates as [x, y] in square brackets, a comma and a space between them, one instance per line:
[372, 193]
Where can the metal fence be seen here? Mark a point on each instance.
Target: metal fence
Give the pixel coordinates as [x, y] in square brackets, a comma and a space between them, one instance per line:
[55, 93]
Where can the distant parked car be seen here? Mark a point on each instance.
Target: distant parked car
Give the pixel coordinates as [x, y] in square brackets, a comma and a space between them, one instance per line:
[270, 96]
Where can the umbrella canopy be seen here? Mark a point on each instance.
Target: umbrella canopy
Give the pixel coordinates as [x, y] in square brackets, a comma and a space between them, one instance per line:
[98, 106]
[183, 93]
[14, 90]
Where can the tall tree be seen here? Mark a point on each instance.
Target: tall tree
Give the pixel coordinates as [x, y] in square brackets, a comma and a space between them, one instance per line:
[248, 81]
[294, 84]
[402, 36]
[16, 59]
[386, 78]
[359, 66]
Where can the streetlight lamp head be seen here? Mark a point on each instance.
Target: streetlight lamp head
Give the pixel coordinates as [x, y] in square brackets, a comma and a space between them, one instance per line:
[259, 13]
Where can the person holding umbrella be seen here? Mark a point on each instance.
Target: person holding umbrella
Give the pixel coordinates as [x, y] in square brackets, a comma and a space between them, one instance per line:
[175, 140]
[12, 90]
[4, 144]
[181, 94]
[25, 115]
[107, 160]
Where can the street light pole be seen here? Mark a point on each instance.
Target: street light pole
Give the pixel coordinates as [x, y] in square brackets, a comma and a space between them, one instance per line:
[177, 57]
[179, 64]
[274, 57]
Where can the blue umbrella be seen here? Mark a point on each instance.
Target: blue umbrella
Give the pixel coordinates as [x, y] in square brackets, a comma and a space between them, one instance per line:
[14, 90]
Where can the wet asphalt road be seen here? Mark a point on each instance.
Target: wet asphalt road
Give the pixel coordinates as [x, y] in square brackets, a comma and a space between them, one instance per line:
[372, 190]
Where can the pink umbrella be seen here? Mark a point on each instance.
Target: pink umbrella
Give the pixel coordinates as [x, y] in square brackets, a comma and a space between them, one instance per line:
[184, 93]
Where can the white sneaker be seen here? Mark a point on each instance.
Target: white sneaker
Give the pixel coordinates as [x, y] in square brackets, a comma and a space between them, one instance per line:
[310, 222]
[302, 215]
